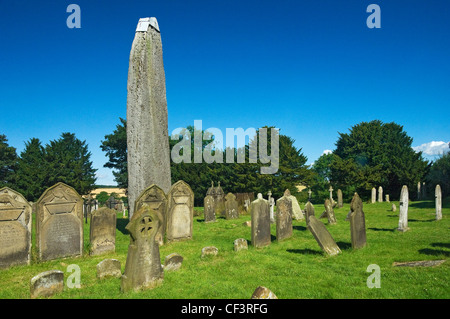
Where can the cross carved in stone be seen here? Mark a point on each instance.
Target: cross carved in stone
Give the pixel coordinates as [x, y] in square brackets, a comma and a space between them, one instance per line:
[146, 226]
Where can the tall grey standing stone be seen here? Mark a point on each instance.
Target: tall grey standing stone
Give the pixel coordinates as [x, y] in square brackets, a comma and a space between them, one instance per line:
[260, 216]
[322, 236]
[374, 195]
[15, 229]
[309, 211]
[143, 268]
[403, 215]
[340, 200]
[180, 212]
[231, 207]
[208, 209]
[102, 235]
[438, 202]
[147, 123]
[155, 198]
[330, 212]
[357, 223]
[59, 223]
[284, 218]
[380, 194]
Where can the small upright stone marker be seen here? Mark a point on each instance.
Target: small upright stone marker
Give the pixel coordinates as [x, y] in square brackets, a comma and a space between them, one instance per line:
[403, 216]
[322, 236]
[340, 200]
[357, 223]
[231, 207]
[330, 212]
[386, 198]
[260, 222]
[438, 202]
[102, 235]
[380, 194]
[394, 208]
[208, 209]
[374, 195]
[143, 266]
[284, 218]
[47, 283]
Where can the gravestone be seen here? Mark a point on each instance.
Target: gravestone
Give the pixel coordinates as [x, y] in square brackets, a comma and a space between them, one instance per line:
[374, 195]
[386, 198]
[419, 193]
[403, 215]
[340, 201]
[394, 208]
[147, 124]
[109, 268]
[380, 194]
[143, 268]
[231, 207]
[330, 212]
[155, 198]
[260, 222]
[212, 190]
[208, 209]
[15, 229]
[209, 251]
[263, 293]
[46, 284]
[309, 211]
[173, 262]
[102, 235]
[357, 223]
[271, 206]
[297, 213]
[284, 218]
[240, 244]
[111, 202]
[219, 201]
[322, 236]
[424, 191]
[59, 223]
[180, 212]
[438, 202]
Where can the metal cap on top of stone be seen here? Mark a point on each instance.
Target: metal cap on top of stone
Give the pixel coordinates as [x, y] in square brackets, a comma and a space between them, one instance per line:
[260, 228]
[15, 228]
[147, 118]
[357, 223]
[180, 212]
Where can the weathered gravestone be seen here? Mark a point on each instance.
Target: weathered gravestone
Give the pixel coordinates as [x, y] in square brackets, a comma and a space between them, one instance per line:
[111, 202]
[155, 198]
[231, 207]
[322, 236]
[209, 251]
[284, 218]
[219, 200]
[180, 213]
[309, 211]
[109, 268]
[173, 262]
[438, 202]
[340, 201]
[419, 193]
[380, 194]
[330, 212]
[240, 244]
[297, 213]
[147, 123]
[260, 216]
[143, 268]
[102, 235]
[47, 283]
[263, 293]
[208, 209]
[15, 229]
[374, 195]
[59, 223]
[403, 215]
[357, 223]
[394, 208]
[386, 198]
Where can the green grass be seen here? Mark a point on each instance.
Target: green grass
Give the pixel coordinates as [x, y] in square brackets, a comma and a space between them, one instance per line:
[294, 268]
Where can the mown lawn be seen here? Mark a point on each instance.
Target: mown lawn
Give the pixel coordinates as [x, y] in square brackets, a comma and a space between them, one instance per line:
[294, 268]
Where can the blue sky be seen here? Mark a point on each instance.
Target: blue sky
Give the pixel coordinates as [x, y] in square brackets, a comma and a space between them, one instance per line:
[310, 68]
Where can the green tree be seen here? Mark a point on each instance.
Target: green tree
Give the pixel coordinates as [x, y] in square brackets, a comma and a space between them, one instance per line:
[377, 154]
[440, 174]
[115, 146]
[8, 163]
[68, 161]
[102, 197]
[322, 176]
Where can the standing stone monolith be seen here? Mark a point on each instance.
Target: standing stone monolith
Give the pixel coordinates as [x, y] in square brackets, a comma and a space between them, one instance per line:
[231, 207]
[380, 194]
[143, 268]
[260, 216]
[59, 223]
[330, 212]
[438, 202]
[357, 223]
[147, 124]
[155, 198]
[180, 212]
[403, 215]
[15, 229]
[284, 218]
[102, 232]
[374, 195]
[340, 200]
[208, 209]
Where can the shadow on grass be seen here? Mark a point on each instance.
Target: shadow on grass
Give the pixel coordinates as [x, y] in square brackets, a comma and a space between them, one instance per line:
[121, 224]
[302, 228]
[343, 245]
[383, 229]
[423, 221]
[434, 252]
[440, 245]
[427, 204]
[305, 251]
[200, 220]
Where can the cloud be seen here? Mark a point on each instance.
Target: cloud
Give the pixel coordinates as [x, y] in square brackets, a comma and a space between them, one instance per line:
[327, 152]
[433, 148]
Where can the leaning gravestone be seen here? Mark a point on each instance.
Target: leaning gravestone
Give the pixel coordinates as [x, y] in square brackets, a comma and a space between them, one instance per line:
[231, 207]
[438, 202]
[380, 194]
[322, 236]
[340, 201]
[208, 209]
[297, 213]
[180, 212]
[357, 223]
[284, 218]
[330, 212]
[374, 195]
[102, 235]
[143, 268]
[59, 223]
[15, 229]
[403, 215]
[155, 198]
[309, 211]
[260, 222]
[147, 124]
